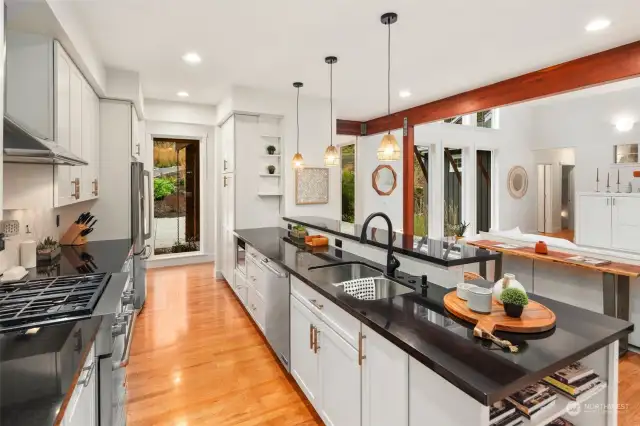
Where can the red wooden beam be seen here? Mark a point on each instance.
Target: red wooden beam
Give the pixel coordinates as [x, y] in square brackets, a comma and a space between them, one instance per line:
[407, 184]
[620, 63]
[348, 127]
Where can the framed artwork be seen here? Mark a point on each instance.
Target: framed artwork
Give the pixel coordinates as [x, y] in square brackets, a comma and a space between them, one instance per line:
[312, 185]
[517, 182]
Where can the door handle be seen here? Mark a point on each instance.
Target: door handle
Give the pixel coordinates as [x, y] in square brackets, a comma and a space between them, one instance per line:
[225, 181]
[360, 355]
[225, 165]
[76, 188]
[137, 149]
[89, 370]
[316, 348]
[310, 336]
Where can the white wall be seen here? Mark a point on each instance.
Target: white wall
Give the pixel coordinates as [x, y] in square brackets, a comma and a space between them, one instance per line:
[587, 123]
[189, 121]
[126, 85]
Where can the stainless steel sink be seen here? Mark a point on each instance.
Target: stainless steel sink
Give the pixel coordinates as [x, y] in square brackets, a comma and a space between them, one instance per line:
[374, 288]
[339, 272]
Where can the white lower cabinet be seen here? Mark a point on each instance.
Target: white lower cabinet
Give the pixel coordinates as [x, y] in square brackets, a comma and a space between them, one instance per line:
[385, 381]
[240, 288]
[81, 410]
[305, 364]
[339, 379]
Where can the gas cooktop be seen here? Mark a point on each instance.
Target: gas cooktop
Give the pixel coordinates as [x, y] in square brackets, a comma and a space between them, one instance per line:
[43, 301]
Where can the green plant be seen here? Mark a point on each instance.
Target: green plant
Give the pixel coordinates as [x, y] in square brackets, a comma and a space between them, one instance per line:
[514, 296]
[271, 149]
[271, 169]
[163, 187]
[348, 195]
[47, 244]
[460, 228]
[299, 228]
[191, 244]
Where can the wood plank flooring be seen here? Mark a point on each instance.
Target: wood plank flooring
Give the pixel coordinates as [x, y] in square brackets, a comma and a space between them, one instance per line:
[197, 359]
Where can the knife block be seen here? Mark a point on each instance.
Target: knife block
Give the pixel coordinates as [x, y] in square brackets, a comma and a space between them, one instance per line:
[72, 237]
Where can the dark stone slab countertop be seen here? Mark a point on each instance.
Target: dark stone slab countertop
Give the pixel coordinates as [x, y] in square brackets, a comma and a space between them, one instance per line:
[439, 252]
[420, 325]
[55, 355]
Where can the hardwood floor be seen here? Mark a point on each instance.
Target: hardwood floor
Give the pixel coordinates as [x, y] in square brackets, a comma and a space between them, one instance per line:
[567, 234]
[197, 359]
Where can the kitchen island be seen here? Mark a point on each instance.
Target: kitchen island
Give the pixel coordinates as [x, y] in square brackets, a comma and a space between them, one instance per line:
[459, 375]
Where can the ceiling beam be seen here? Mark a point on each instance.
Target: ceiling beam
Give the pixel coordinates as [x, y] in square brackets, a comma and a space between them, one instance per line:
[348, 127]
[620, 63]
[408, 145]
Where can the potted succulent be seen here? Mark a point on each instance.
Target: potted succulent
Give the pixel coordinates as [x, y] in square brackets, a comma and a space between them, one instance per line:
[271, 150]
[460, 229]
[47, 250]
[514, 300]
[271, 169]
[298, 232]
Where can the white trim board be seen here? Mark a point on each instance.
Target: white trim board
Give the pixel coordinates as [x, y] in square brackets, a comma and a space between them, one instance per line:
[181, 259]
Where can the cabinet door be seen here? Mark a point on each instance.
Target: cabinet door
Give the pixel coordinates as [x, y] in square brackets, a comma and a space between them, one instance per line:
[305, 367]
[95, 181]
[62, 175]
[75, 124]
[385, 381]
[136, 147]
[625, 223]
[340, 402]
[228, 145]
[594, 217]
[88, 143]
[81, 410]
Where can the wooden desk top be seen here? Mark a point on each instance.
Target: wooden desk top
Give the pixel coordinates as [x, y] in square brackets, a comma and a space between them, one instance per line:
[615, 268]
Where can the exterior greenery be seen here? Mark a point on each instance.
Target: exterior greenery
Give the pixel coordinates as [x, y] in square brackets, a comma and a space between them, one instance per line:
[163, 187]
[514, 296]
[347, 156]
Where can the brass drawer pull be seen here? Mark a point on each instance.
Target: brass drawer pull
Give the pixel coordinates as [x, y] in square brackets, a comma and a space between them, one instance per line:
[311, 336]
[360, 354]
[316, 348]
[314, 302]
[76, 188]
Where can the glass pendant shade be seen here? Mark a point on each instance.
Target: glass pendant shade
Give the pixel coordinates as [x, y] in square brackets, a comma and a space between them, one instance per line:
[331, 156]
[389, 149]
[297, 162]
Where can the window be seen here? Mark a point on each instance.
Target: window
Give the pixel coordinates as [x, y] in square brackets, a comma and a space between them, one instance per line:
[626, 153]
[454, 120]
[348, 162]
[420, 191]
[485, 119]
[483, 191]
[453, 178]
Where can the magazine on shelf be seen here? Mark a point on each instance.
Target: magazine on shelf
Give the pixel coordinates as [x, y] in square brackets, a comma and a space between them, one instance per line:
[560, 422]
[507, 246]
[535, 404]
[573, 372]
[588, 260]
[576, 396]
[514, 419]
[577, 387]
[525, 395]
[540, 412]
[500, 410]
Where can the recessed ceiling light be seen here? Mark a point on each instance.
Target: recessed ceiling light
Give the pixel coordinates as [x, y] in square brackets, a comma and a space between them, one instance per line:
[404, 93]
[183, 94]
[192, 58]
[624, 124]
[598, 25]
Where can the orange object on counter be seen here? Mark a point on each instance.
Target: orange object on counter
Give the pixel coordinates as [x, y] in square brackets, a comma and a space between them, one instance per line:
[636, 173]
[541, 248]
[316, 241]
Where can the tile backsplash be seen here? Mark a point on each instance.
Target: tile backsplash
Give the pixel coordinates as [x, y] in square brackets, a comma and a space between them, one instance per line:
[42, 224]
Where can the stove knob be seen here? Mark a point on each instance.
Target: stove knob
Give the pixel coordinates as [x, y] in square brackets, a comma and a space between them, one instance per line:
[117, 329]
[128, 297]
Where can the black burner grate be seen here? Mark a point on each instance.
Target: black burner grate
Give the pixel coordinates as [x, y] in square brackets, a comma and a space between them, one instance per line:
[38, 300]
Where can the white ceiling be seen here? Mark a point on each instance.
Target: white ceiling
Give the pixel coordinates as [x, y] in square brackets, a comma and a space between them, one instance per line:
[440, 48]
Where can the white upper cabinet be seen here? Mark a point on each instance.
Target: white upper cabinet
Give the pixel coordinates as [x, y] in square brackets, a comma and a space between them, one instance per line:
[625, 220]
[64, 188]
[228, 145]
[90, 139]
[136, 139]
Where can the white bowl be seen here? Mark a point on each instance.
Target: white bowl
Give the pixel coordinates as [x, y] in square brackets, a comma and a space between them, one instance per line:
[480, 299]
[462, 290]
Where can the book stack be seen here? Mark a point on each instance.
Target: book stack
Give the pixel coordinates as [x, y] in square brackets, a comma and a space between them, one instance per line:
[560, 422]
[503, 413]
[574, 380]
[534, 400]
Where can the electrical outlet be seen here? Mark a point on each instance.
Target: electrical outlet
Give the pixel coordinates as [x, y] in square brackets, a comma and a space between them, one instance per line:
[338, 243]
[10, 228]
[57, 221]
[1, 242]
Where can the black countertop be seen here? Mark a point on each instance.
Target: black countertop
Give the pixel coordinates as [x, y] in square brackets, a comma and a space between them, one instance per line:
[95, 256]
[40, 371]
[440, 252]
[421, 326]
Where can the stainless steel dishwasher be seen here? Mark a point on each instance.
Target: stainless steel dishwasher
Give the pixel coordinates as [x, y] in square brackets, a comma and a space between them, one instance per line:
[276, 305]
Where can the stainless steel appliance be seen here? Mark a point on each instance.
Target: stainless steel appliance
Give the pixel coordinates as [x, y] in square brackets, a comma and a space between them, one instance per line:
[241, 260]
[141, 208]
[276, 305]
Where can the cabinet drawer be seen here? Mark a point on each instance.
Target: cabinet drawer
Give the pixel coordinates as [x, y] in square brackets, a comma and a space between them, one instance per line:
[255, 276]
[240, 287]
[256, 308]
[252, 253]
[335, 317]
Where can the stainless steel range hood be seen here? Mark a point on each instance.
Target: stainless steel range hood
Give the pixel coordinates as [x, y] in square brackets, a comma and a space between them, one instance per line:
[21, 146]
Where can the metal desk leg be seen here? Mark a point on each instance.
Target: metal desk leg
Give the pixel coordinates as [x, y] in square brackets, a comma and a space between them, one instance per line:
[497, 271]
[615, 295]
[483, 270]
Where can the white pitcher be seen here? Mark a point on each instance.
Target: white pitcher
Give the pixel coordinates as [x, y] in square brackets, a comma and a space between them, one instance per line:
[509, 280]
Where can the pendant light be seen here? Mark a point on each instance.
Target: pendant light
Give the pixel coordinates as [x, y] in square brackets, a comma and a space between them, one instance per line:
[297, 162]
[331, 156]
[389, 149]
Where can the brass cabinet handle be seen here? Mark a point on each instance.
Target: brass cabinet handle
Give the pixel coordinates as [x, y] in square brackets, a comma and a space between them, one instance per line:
[76, 188]
[310, 336]
[225, 164]
[225, 181]
[361, 356]
[138, 149]
[315, 340]
[314, 302]
[95, 187]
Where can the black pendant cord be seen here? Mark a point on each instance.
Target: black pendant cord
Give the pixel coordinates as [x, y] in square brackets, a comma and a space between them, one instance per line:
[389, 74]
[331, 102]
[298, 121]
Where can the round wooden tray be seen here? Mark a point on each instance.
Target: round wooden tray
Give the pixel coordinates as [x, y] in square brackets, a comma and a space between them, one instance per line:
[535, 318]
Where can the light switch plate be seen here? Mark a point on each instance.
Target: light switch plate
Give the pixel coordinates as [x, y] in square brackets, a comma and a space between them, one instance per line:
[10, 228]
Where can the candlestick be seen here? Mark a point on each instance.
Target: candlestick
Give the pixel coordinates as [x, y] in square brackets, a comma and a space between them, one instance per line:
[608, 186]
[597, 180]
[618, 184]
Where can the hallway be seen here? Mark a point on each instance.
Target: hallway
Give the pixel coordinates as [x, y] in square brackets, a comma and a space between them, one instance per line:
[198, 360]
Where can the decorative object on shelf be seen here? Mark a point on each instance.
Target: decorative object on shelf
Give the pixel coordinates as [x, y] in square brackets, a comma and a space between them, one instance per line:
[608, 186]
[384, 180]
[331, 156]
[460, 229]
[462, 290]
[312, 185]
[629, 189]
[479, 299]
[597, 180]
[514, 300]
[298, 232]
[618, 183]
[271, 150]
[517, 182]
[389, 149]
[541, 248]
[508, 281]
[297, 161]
[48, 250]
[271, 169]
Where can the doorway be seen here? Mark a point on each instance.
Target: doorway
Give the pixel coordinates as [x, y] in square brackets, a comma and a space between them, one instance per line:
[567, 212]
[176, 194]
[348, 182]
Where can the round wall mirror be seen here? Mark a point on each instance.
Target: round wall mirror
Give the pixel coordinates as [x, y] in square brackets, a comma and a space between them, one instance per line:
[517, 181]
[384, 180]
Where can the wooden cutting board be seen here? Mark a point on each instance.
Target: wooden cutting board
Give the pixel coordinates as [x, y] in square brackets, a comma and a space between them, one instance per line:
[535, 318]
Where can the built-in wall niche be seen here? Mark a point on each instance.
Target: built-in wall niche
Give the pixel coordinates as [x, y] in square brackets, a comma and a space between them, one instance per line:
[270, 171]
[625, 154]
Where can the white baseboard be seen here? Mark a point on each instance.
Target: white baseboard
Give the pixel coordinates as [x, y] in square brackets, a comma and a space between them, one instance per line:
[179, 260]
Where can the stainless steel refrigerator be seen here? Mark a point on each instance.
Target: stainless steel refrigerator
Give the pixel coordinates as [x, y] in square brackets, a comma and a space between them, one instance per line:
[141, 207]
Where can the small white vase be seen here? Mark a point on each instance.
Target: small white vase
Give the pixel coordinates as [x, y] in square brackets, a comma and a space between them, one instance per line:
[508, 281]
